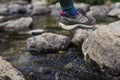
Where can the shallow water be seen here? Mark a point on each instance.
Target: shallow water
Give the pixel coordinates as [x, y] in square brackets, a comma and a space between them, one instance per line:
[43, 66]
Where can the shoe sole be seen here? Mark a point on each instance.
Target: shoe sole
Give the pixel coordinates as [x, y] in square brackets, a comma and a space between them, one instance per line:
[71, 27]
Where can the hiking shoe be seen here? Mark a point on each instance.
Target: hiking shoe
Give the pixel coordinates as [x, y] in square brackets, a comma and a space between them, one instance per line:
[80, 19]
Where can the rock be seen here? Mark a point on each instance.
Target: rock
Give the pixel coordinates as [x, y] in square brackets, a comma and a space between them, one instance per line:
[103, 47]
[16, 8]
[36, 31]
[83, 6]
[118, 16]
[115, 5]
[80, 36]
[42, 2]
[2, 18]
[3, 9]
[40, 9]
[28, 8]
[17, 25]
[114, 12]
[55, 10]
[7, 72]
[99, 12]
[48, 42]
[77, 69]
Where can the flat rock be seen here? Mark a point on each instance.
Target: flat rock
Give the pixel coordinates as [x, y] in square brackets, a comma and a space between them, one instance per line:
[17, 25]
[7, 72]
[48, 42]
[114, 12]
[103, 47]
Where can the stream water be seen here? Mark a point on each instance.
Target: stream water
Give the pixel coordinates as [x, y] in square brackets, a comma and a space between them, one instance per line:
[50, 66]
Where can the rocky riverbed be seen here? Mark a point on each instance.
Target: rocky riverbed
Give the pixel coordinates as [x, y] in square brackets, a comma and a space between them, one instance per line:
[36, 48]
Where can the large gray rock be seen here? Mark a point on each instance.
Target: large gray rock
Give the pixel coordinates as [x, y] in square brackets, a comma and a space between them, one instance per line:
[80, 36]
[17, 25]
[7, 72]
[48, 42]
[103, 47]
[99, 12]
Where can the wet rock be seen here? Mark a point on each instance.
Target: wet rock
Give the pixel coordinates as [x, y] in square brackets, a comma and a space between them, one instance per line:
[7, 72]
[79, 70]
[103, 47]
[48, 42]
[99, 12]
[17, 25]
[80, 36]
[40, 9]
[114, 12]
[16, 8]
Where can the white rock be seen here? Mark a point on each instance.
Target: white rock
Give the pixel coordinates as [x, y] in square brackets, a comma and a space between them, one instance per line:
[17, 25]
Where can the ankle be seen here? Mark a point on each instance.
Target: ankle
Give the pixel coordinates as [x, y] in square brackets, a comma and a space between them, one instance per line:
[71, 11]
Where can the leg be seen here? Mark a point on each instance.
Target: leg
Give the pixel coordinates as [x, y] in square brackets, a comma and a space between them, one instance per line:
[68, 6]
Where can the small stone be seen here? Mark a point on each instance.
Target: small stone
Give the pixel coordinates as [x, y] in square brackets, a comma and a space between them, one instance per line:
[80, 36]
[69, 65]
[36, 31]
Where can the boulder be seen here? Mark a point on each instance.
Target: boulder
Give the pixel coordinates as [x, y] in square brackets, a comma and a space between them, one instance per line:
[7, 72]
[99, 12]
[103, 47]
[80, 36]
[17, 25]
[48, 42]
